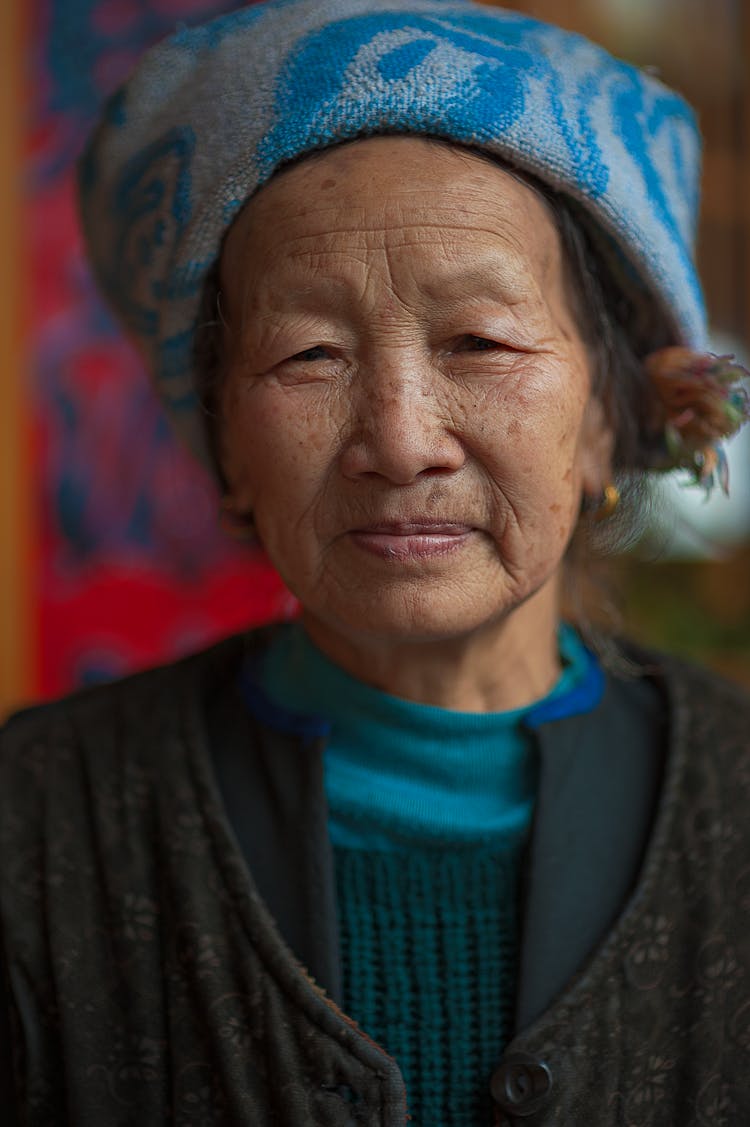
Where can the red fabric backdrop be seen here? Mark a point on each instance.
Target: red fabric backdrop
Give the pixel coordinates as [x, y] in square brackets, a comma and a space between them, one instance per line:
[133, 567]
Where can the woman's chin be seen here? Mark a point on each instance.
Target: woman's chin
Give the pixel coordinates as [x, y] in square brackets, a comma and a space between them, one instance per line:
[416, 616]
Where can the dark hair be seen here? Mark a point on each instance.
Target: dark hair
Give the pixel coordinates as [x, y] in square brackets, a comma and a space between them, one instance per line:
[208, 364]
[612, 330]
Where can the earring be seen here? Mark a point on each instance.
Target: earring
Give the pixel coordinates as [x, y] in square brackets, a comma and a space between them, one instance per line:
[239, 526]
[609, 502]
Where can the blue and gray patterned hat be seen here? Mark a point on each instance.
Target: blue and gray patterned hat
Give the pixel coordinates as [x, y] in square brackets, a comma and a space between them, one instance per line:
[211, 114]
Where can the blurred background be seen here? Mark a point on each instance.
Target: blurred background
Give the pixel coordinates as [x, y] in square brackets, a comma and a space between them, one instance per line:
[111, 554]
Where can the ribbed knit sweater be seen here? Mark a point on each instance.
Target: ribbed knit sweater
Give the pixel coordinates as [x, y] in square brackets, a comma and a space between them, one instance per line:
[429, 812]
[429, 950]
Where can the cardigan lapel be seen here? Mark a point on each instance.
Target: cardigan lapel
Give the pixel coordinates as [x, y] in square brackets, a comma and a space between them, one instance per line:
[599, 780]
[269, 769]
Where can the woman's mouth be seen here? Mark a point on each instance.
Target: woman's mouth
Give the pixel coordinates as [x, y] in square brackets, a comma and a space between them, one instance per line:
[411, 540]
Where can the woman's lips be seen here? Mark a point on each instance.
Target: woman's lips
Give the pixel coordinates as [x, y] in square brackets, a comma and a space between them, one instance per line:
[411, 540]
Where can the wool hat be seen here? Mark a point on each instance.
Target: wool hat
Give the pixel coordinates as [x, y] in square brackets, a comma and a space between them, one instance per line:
[211, 113]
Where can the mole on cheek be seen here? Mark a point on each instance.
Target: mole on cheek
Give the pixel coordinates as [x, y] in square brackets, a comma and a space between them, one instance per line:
[329, 183]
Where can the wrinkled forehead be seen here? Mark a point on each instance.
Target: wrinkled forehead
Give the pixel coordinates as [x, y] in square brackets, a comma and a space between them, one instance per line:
[385, 195]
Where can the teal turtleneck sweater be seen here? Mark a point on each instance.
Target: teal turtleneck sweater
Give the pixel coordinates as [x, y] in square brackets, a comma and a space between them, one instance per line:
[429, 810]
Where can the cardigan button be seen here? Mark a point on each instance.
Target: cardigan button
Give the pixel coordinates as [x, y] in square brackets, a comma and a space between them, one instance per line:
[521, 1085]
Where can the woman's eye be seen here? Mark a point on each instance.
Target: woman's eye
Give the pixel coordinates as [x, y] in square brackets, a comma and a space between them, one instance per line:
[317, 352]
[471, 343]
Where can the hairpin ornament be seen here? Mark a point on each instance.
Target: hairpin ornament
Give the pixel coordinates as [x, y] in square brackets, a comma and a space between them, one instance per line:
[699, 402]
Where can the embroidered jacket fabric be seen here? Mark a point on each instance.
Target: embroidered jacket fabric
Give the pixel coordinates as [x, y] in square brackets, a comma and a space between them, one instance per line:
[150, 985]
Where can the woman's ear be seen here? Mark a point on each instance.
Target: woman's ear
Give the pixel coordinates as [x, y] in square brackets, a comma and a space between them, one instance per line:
[597, 449]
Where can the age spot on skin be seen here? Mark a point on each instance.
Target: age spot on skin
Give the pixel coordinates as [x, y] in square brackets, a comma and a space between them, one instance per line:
[435, 497]
[328, 183]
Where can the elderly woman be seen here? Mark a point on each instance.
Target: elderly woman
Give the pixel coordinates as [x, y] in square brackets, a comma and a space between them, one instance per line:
[415, 278]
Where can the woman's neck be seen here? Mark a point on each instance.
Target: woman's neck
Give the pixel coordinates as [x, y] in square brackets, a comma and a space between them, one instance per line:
[505, 665]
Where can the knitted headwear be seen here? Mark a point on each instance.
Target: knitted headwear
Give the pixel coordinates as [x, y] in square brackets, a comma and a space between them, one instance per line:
[213, 112]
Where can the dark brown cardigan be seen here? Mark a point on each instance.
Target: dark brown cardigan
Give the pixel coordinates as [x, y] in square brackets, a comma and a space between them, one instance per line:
[152, 979]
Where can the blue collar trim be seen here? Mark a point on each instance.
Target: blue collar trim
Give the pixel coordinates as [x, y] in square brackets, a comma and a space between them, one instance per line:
[585, 697]
[309, 727]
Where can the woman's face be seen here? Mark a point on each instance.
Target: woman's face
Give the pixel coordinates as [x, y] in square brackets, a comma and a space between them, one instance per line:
[407, 405]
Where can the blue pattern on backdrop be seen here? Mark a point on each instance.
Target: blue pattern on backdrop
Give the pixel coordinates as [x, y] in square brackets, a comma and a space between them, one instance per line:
[114, 480]
[88, 52]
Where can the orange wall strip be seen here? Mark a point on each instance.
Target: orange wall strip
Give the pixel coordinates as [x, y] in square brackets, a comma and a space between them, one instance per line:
[17, 618]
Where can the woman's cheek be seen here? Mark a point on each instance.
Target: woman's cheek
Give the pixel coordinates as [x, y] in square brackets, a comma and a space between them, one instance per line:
[289, 448]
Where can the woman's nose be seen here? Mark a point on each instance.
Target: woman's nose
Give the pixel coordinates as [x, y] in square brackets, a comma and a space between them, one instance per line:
[401, 428]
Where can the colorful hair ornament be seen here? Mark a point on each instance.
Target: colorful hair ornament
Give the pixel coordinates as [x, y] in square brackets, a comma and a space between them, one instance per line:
[699, 401]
